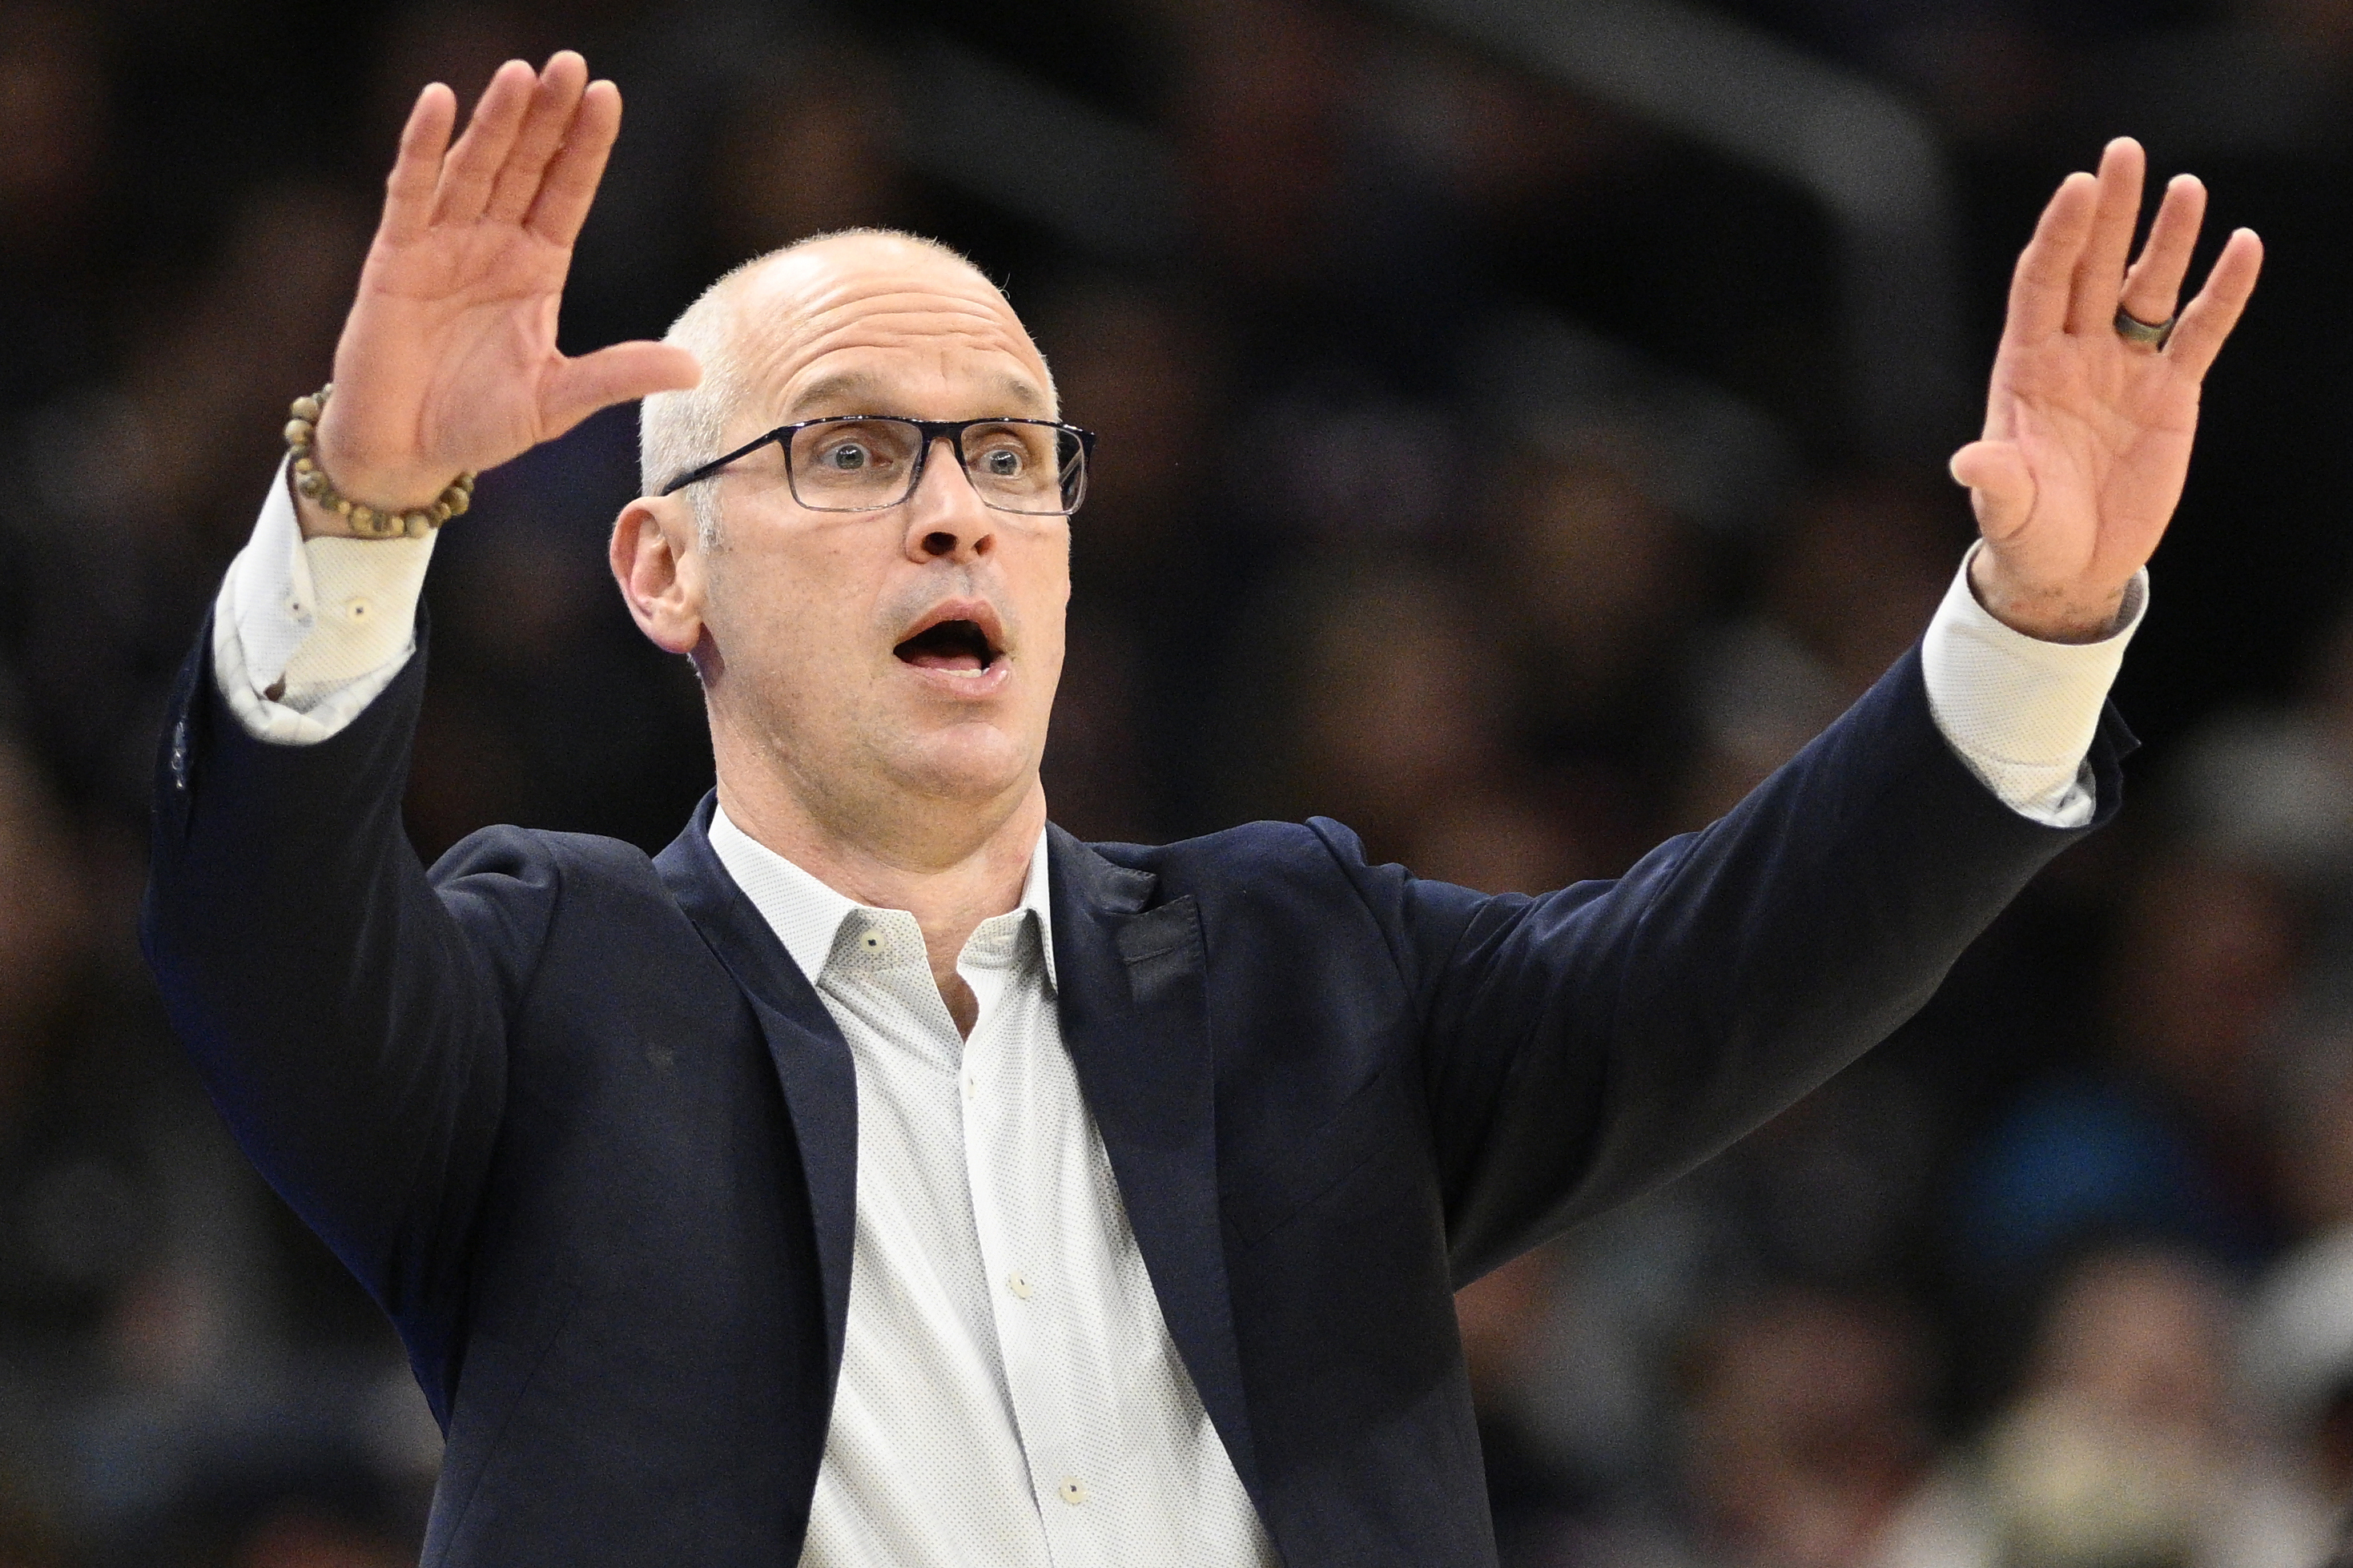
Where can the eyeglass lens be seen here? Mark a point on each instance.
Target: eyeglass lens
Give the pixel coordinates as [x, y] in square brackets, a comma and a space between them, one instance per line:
[855, 465]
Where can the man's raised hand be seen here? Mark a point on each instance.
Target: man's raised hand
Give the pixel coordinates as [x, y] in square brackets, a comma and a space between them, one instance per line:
[448, 361]
[2087, 435]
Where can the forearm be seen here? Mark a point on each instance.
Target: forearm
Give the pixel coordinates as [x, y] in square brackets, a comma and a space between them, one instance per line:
[332, 1002]
[1588, 1046]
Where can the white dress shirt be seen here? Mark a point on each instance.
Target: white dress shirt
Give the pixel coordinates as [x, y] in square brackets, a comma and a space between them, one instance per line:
[1009, 1394]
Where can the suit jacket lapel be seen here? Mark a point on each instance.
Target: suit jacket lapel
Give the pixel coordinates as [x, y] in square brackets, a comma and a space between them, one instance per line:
[812, 1060]
[1134, 1011]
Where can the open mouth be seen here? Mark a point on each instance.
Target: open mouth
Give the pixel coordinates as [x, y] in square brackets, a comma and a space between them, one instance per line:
[959, 645]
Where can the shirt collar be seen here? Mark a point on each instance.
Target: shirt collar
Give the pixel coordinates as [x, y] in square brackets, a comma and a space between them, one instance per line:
[806, 915]
[1040, 903]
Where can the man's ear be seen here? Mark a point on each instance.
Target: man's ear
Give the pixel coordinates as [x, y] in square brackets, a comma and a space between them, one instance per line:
[656, 561]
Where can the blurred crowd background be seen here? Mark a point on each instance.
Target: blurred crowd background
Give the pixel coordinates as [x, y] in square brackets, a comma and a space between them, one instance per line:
[1522, 427]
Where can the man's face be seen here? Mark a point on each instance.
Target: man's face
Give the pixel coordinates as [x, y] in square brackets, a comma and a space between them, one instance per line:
[911, 649]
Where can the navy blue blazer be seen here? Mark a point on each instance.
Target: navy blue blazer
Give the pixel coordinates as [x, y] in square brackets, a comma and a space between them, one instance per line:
[575, 1119]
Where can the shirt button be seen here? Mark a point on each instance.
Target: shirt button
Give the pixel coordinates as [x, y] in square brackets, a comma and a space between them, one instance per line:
[874, 940]
[358, 609]
[1071, 1492]
[1018, 1284]
[971, 1085]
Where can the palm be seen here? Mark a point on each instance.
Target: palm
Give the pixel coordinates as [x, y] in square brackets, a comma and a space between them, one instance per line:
[2107, 440]
[464, 325]
[449, 360]
[2087, 435]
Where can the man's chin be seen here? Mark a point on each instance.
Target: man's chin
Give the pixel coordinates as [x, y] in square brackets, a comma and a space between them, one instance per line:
[972, 760]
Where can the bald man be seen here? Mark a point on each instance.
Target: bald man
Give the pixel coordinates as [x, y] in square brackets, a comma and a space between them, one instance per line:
[879, 1176]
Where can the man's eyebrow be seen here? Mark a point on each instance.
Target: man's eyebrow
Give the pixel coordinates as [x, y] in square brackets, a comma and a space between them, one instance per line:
[837, 391]
[1026, 396]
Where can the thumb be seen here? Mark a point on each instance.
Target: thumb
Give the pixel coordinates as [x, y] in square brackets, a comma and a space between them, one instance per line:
[616, 374]
[2002, 486]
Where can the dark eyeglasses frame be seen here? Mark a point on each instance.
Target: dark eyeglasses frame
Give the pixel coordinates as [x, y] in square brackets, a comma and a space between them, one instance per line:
[934, 430]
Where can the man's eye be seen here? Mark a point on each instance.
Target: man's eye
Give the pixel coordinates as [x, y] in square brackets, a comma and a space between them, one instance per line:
[1003, 463]
[848, 456]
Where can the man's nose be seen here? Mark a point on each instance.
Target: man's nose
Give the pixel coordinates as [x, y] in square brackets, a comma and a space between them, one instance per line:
[946, 518]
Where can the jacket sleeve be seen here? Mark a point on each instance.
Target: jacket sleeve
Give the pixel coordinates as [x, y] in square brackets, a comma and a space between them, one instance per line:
[1581, 1048]
[347, 1011]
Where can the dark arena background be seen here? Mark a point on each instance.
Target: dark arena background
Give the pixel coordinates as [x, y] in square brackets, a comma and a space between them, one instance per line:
[1522, 427]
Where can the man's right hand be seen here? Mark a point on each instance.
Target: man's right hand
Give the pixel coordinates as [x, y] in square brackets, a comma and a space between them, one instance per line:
[447, 362]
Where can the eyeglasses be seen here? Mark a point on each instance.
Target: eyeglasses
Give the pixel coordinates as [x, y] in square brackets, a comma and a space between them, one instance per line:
[865, 462]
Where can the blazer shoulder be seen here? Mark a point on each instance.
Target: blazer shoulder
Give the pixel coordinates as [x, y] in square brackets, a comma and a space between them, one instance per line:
[533, 855]
[1311, 875]
[1255, 858]
[509, 887]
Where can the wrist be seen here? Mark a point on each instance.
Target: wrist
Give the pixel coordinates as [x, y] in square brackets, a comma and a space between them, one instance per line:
[316, 521]
[2070, 613]
[387, 486]
[326, 509]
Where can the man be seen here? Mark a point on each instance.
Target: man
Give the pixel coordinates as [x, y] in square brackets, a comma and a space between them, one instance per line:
[879, 1174]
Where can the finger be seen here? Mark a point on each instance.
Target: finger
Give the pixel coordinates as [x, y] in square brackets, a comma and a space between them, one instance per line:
[417, 170]
[542, 134]
[474, 163]
[2099, 279]
[616, 374]
[570, 183]
[2002, 486]
[2037, 288]
[2209, 318]
[2153, 288]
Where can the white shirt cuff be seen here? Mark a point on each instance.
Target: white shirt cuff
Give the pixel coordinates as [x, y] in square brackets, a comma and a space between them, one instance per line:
[307, 632]
[2019, 712]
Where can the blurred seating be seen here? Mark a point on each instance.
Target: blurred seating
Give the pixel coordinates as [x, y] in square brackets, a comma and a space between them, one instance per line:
[1484, 463]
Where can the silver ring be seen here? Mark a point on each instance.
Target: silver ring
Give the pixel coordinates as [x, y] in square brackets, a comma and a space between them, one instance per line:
[2149, 334]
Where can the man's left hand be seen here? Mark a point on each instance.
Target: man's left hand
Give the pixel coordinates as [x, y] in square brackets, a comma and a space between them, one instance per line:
[2087, 434]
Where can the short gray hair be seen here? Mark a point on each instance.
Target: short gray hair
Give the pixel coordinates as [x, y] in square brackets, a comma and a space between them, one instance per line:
[681, 431]
[678, 432]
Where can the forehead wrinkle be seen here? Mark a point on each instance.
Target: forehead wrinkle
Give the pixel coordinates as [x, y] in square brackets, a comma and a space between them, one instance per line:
[864, 388]
[794, 314]
[978, 328]
[793, 357]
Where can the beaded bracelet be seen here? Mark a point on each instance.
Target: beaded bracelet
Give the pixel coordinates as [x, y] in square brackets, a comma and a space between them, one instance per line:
[367, 521]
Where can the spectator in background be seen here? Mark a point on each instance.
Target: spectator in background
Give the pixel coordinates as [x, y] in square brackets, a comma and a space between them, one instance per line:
[1155, 573]
[2297, 1360]
[1810, 1443]
[1596, 582]
[115, 238]
[807, 147]
[29, 1538]
[1418, 758]
[125, 479]
[317, 1510]
[1861, 562]
[2168, 1136]
[2126, 1446]
[1262, 134]
[53, 99]
[1543, 1509]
